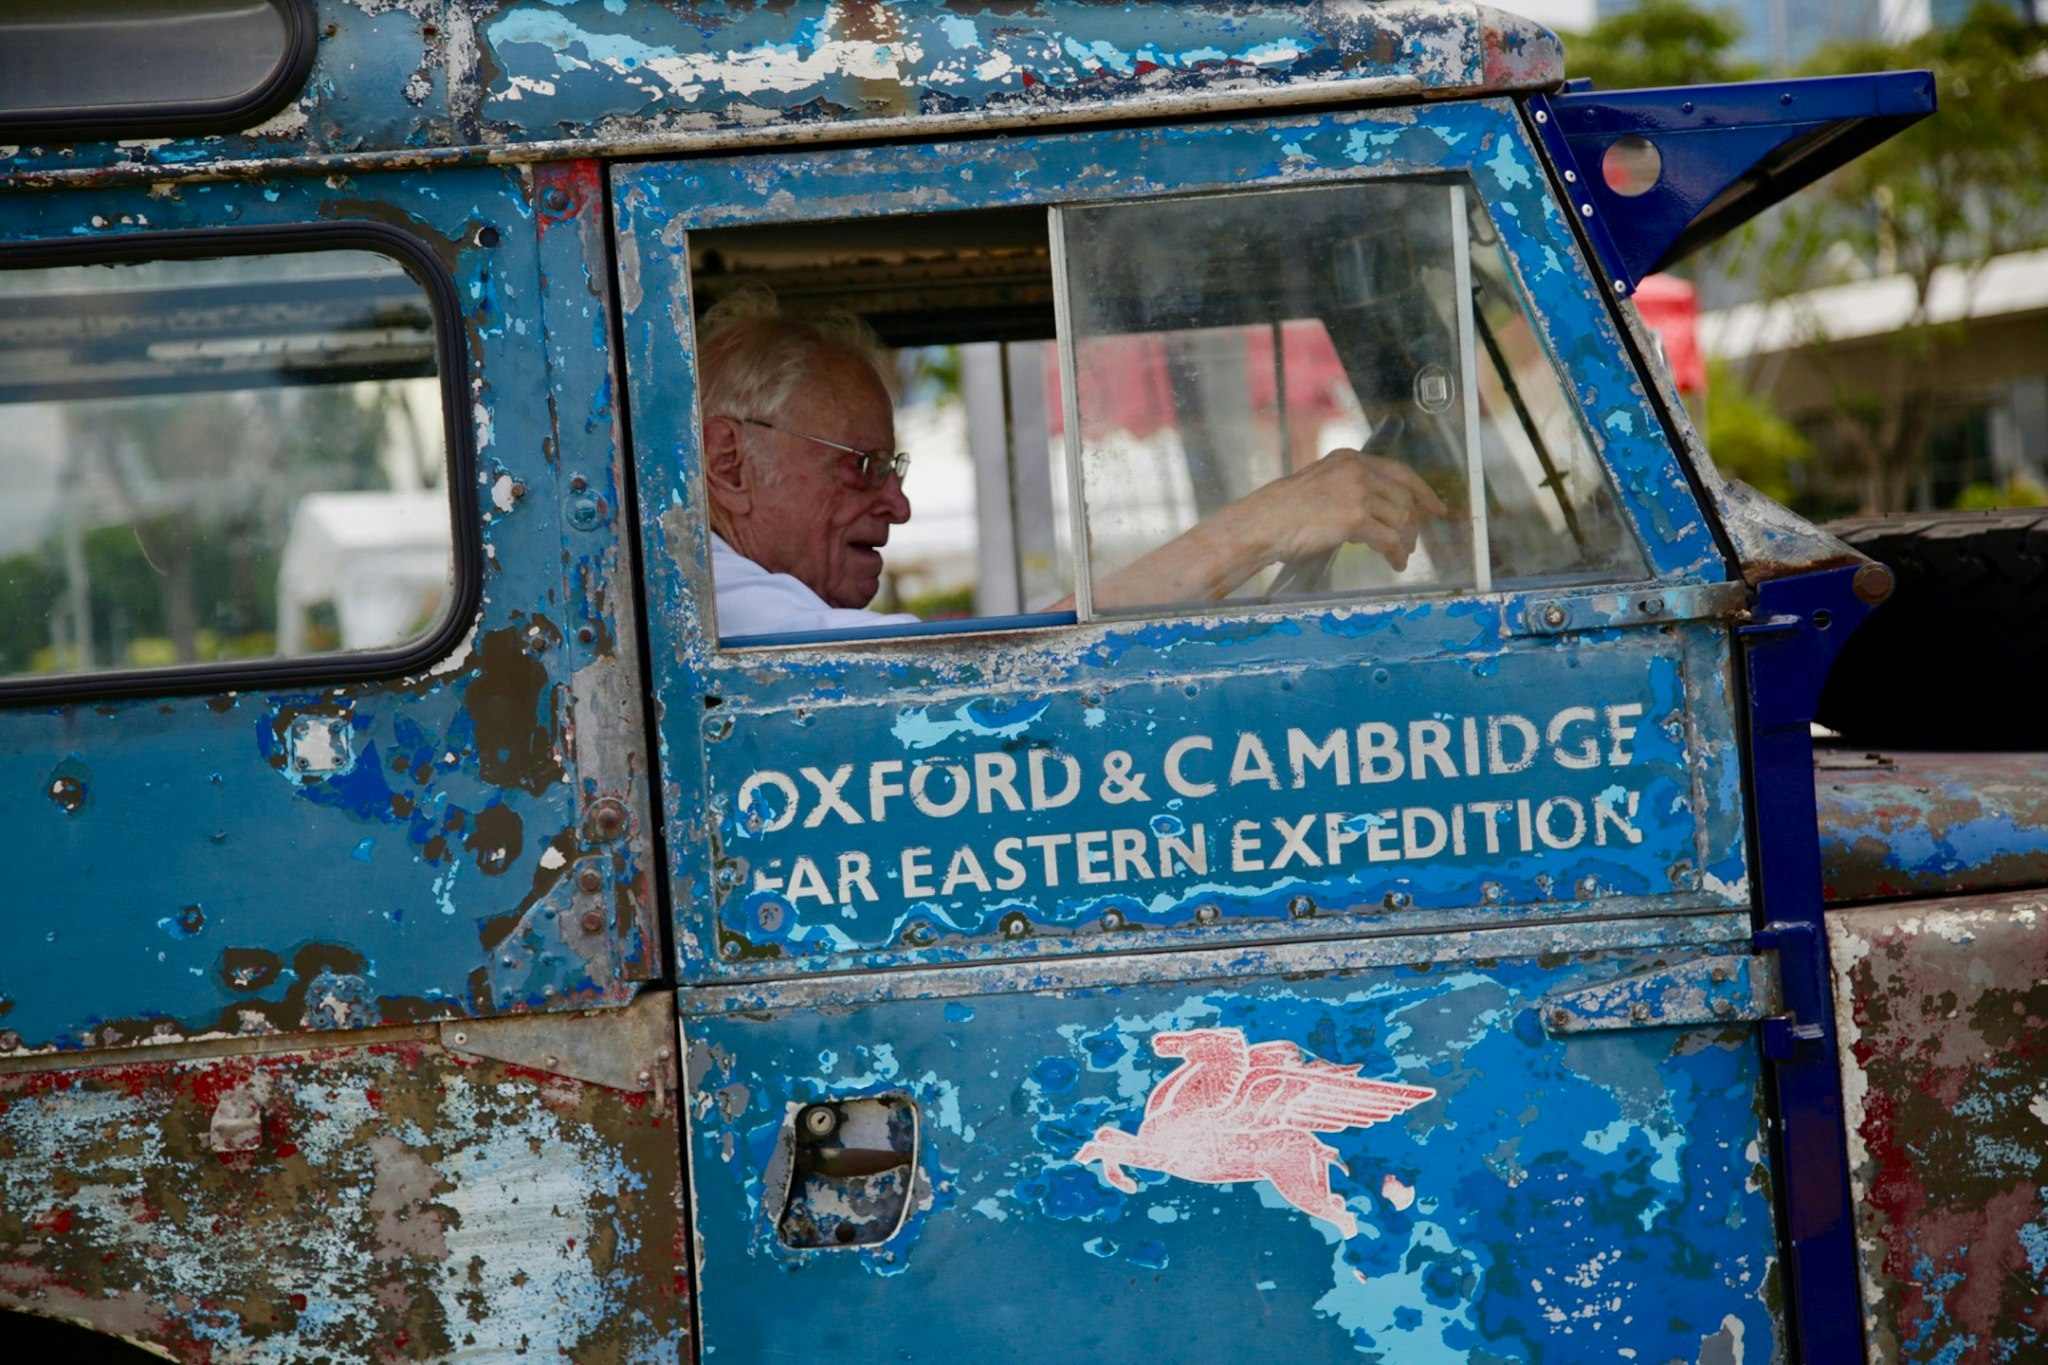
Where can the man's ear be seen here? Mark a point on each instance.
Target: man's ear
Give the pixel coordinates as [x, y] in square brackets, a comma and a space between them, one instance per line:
[728, 475]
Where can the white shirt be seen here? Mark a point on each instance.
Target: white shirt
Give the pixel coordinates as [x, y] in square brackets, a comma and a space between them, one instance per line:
[753, 601]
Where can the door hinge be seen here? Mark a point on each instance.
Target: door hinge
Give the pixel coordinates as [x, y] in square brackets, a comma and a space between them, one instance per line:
[1722, 988]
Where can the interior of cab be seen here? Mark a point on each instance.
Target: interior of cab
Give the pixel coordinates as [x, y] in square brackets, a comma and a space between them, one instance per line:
[1079, 385]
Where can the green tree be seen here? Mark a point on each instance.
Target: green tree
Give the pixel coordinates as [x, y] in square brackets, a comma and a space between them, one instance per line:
[1748, 439]
[1657, 43]
[1938, 203]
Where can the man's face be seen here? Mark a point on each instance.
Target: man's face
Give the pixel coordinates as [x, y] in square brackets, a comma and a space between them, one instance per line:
[820, 522]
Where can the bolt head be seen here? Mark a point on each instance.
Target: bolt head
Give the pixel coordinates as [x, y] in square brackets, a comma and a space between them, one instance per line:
[590, 880]
[1872, 584]
[592, 922]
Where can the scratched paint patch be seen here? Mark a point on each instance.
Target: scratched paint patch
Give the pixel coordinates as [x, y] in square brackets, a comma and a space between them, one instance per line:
[1487, 1215]
[1943, 1008]
[395, 1203]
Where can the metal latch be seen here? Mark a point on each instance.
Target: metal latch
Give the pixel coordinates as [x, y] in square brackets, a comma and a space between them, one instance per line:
[1718, 989]
[1802, 966]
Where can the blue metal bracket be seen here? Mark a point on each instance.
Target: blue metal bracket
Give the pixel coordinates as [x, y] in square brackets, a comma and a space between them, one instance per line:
[1652, 175]
[1801, 624]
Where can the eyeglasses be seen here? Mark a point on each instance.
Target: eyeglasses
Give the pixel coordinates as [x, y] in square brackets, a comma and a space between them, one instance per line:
[873, 466]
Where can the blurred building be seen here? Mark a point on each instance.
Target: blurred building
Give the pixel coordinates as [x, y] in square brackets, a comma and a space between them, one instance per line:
[1778, 35]
[1987, 382]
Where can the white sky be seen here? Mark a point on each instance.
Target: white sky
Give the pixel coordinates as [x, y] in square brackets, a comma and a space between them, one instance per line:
[1576, 15]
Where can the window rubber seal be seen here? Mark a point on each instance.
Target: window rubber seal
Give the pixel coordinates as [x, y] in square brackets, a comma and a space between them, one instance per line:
[233, 114]
[452, 360]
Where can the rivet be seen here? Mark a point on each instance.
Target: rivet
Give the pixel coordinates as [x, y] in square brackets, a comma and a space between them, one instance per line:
[1872, 584]
[1585, 210]
[1560, 1017]
[592, 922]
[1718, 974]
[518, 490]
[590, 879]
[1652, 606]
[1724, 1008]
[9, 1041]
[458, 1038]
[577, 483]
[729, 948]
[607, 819]
[1554, 615]
[1639, 1011]
[1015, 926]
[585, 634]
[1542, 117]
[1112, 919]
[1207, 914]
[1301, 907]
[1571, 177]
[556, 199]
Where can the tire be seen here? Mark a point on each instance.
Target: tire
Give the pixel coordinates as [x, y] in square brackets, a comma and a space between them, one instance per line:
[1957, 657]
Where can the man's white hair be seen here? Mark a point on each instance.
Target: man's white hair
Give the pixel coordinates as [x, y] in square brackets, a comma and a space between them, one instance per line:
[752, 356]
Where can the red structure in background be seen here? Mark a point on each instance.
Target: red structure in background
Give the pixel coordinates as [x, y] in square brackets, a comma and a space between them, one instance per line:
[1671, 308]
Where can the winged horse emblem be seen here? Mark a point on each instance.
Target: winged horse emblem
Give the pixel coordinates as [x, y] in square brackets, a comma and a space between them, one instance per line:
[1234, 1110]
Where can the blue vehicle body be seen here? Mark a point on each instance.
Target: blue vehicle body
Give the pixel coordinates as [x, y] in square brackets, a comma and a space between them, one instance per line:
[805, 990]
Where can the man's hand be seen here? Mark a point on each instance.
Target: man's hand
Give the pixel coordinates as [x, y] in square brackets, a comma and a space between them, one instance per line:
[1347, 497]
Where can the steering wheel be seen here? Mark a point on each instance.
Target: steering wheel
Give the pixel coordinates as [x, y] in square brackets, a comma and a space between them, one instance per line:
[1311, 573]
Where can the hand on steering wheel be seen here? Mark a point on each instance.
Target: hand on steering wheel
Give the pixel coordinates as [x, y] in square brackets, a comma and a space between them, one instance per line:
[1370, 500]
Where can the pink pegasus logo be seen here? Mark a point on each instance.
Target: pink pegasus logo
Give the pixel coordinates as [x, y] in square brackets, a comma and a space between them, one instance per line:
[1234, 1110]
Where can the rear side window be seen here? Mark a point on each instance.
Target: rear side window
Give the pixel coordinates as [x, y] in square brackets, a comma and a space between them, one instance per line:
[222, 465]
[162, 68]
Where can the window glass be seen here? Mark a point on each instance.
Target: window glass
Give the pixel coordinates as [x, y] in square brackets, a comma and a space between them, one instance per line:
[1212, 355]
[210, 460]
[1222, 348]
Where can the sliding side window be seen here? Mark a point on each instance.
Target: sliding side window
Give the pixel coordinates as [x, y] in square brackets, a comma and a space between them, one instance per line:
[1220, 345]
[1082, 388]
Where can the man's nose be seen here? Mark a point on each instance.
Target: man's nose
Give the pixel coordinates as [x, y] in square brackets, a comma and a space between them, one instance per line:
[890, 497]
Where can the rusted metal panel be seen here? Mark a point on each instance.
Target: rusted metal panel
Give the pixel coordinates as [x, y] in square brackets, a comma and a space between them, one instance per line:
[1943, 1009]
[388, 1200]
[1904, 823]
[472, 839]
[1519, 1196]
[415, 81]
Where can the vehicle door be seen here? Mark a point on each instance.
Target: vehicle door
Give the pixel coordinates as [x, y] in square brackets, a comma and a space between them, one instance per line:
[1358, 961]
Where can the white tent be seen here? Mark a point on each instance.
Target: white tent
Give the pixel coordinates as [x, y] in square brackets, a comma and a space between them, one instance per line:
[382, 559]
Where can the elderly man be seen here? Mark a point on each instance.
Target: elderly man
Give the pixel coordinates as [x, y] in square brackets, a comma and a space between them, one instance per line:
[805, 482]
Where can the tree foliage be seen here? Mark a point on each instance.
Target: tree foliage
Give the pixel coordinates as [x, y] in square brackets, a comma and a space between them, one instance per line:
[1943, 199]
[1657, 43]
